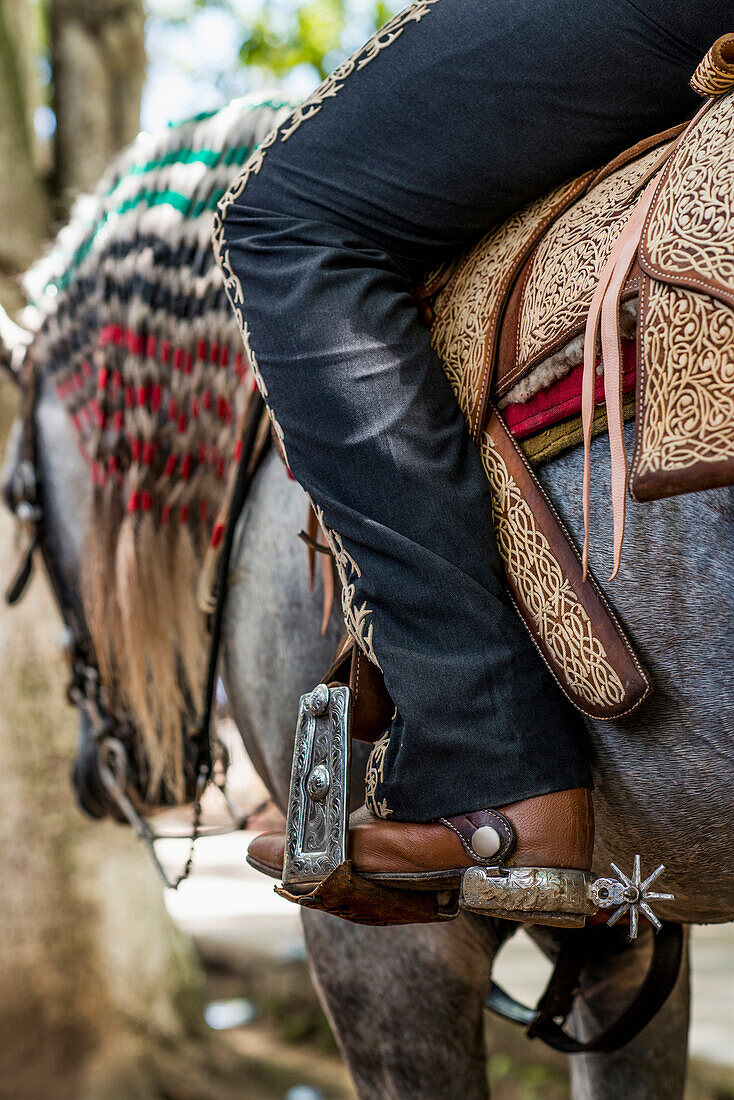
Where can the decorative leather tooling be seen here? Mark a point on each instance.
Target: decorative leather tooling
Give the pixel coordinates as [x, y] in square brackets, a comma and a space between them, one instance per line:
[469, 309]
[569, 620]
[506, 320]
[685, 409]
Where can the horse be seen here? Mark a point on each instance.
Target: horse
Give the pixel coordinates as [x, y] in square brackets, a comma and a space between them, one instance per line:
[406, 1003]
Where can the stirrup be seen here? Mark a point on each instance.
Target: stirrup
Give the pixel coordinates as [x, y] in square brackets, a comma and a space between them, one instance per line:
[316, 871]
[318, 874]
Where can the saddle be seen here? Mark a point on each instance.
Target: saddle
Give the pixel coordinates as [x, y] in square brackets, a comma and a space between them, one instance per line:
[646, 244]
[514, 317]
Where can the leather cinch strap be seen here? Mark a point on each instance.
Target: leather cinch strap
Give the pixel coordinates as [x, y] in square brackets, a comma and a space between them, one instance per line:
[557, 1001]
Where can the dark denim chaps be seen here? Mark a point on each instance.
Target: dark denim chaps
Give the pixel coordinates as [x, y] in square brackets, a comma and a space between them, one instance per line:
[455, 115]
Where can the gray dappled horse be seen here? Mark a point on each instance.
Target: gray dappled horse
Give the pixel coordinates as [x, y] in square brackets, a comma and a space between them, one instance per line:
[406, 1003]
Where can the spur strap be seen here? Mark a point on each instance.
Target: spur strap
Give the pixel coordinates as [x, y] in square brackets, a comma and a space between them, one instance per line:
[486, 835]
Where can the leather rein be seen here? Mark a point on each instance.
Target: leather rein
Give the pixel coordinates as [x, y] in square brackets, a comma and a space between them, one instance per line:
[112, 730]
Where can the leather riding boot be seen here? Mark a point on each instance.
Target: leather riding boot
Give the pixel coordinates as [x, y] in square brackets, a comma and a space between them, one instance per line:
[553, 831]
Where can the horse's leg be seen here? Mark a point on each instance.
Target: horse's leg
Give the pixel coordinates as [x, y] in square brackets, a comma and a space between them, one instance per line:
[406, 1003]
[650, 1067]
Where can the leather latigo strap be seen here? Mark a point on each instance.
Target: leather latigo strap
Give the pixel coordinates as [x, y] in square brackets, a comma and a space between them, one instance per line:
[372, 707]
[568, 618]
[605, 306]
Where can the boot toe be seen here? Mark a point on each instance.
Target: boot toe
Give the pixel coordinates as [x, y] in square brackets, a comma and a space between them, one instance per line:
[266, 852]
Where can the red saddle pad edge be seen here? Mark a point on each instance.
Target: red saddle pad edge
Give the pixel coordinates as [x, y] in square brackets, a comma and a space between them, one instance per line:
[562, 400]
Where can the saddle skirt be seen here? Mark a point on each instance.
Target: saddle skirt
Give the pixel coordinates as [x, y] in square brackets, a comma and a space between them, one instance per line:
[508, 319]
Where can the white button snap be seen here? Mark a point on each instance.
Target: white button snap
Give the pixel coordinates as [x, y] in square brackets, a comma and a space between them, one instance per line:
[486, 842]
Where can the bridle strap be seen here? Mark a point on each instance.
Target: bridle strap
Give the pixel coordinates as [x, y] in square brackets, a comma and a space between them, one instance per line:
[255, 445]
[28, 509]
[23, 574]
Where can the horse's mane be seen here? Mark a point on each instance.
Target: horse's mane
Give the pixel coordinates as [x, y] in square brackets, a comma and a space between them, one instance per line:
[133, 329]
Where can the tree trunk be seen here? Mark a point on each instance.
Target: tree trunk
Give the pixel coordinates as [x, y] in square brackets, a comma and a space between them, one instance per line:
[98, 63]
[101, 997]
[24, 202]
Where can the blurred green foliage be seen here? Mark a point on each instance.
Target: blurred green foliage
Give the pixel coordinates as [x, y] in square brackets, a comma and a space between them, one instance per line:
[283, 35]
[312, 34]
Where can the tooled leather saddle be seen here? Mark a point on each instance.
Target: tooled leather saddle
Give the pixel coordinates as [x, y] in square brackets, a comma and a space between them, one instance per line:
[511, 319]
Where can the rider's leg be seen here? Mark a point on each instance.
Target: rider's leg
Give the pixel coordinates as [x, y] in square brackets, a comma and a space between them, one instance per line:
[462, 112]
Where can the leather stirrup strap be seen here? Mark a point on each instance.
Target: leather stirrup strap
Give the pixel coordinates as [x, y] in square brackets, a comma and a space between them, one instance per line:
[372, 708]
[315, 541]
[557, 1001]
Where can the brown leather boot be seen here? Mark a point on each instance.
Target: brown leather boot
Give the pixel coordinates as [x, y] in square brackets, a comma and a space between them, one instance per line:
[550, 831]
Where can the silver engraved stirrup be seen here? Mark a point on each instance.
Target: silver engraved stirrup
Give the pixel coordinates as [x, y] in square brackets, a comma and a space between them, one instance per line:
[318, 804]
